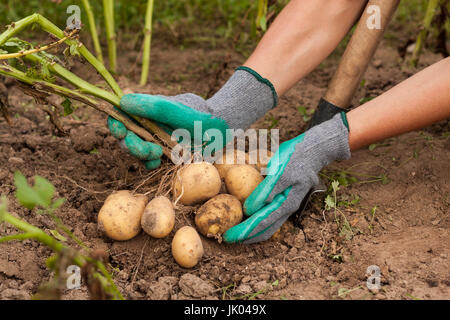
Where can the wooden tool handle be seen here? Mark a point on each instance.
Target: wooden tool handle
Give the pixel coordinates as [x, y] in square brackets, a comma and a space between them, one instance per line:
[360, 51]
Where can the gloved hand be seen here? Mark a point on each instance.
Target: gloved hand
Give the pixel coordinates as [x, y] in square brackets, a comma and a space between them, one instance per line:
[241, 101]
[292, 171]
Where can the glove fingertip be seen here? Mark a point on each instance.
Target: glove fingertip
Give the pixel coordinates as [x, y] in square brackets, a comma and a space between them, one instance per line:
[117, 128]
[155, 151]
[232, 236]
[152, 164]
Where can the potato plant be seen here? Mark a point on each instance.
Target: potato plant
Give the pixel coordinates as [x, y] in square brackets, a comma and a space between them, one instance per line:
[40, 72]
[40, 197]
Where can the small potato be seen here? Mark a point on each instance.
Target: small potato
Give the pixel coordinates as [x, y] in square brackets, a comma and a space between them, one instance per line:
[197, 182]
[120, 216]
[224, 163]
[187, 247]
[218, 215]
[158, 218]
[242, 180]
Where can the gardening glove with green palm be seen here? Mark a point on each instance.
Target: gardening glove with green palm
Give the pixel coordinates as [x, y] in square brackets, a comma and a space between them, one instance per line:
[292, 171]
[241, 101]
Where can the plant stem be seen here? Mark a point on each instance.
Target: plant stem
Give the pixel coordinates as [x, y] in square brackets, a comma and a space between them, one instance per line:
[93, 30]
[431, 9]
[108, 10]
[35, 233]
[75, 95]
[32, 232]
[147, 43]
[36, 50]
[49, 27]
[72, 78]
[19, 237]
[83, 85]
[262, 12]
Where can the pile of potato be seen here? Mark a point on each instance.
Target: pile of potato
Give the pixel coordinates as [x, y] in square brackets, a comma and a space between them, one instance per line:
[124, 214]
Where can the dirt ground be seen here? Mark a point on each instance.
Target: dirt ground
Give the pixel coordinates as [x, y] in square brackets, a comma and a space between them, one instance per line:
[399, 222]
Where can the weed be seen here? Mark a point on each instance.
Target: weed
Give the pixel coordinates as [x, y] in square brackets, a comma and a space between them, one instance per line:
[225, 291]
[331, 203]
[272, 121]
[343, 292]
[251, 296]
[411, 296]
[306, 114]
[347, 177]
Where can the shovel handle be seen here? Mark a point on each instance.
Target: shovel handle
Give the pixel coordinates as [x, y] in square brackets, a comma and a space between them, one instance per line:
[359, 51]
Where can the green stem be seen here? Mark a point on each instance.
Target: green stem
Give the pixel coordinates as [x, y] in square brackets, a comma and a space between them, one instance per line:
[35, 233]
[93, 30]
[108, 10]
[262, 12]
[19, 75]
[72, 78]
[83, 85]
[49, 27]
[147, 43]
[72, 94]
[19, 237]
[66, 230]
[431, 9]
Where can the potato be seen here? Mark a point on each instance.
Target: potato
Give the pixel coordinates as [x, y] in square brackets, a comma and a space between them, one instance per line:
[120, 216]
[238, 157]
[218, 215]
[187, 247]
[197, 182]
[158, 218]
[242, 180]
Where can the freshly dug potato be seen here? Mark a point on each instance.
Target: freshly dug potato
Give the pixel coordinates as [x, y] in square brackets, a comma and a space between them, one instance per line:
[218, 215]
[158, 218]
[120, 216]
[238, 157]
[197, 182]
[187, 247]
[242, 180]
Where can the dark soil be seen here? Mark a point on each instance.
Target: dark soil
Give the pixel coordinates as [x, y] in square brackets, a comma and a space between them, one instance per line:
[407, 235]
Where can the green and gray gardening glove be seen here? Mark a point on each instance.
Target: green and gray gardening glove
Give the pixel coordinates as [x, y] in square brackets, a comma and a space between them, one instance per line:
[241, 101]
[292, 171]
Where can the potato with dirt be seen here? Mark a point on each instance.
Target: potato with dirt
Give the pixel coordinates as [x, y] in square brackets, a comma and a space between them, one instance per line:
[196, 183]
[241, 180]
[158, 218]
[187, 247]
[225, 162]
[120, 216]
[218, 215]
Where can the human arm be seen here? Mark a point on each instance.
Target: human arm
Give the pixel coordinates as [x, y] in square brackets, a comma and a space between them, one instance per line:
[418, 101]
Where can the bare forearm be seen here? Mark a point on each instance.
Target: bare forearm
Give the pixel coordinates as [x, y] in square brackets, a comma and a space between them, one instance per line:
[417, 102]
[301, 37]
